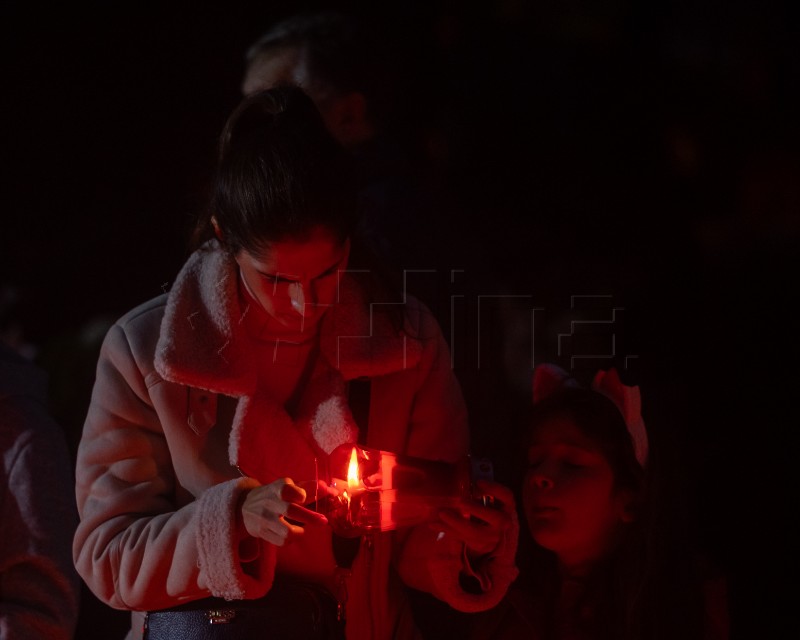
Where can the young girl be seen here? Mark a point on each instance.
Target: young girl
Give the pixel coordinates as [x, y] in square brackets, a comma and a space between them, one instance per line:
[216, 405]
[600, 563]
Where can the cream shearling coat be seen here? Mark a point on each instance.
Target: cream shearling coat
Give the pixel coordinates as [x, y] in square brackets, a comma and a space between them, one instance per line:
[176, 409]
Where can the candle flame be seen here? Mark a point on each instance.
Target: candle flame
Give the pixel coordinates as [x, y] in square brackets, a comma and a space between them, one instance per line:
[352, 470]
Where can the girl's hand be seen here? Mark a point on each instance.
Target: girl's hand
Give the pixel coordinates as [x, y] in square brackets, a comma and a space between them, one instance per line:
[478, 526]
[274, 512]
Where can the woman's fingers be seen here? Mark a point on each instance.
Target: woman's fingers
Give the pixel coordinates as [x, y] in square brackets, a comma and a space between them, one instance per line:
[479, 538]
[289, 492]
[316, 490]
[496, 518]
[274, 512]
[479, 526]
[496, 491]
[299, 514]
[278, 532]
[470, 529]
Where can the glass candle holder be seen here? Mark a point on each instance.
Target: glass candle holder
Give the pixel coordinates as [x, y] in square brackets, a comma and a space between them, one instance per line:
[379, 490]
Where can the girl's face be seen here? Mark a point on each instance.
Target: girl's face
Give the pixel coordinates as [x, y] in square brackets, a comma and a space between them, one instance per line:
[570, 501]
[295, 282]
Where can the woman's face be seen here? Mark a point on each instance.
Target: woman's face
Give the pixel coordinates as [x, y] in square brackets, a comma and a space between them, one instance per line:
[569, 495]
[295, 282]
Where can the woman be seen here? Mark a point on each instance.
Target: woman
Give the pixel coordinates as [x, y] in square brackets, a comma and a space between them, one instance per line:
[217, 404]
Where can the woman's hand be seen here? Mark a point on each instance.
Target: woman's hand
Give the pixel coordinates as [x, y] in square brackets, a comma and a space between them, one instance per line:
[274, 512]
[478, 526]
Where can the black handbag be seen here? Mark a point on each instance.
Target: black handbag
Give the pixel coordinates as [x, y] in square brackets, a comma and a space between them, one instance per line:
[290, 611]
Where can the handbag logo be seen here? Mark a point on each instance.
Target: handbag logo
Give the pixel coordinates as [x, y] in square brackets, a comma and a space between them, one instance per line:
[220, 616]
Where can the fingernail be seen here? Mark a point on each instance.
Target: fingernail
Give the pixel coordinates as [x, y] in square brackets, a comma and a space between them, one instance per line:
[440, 536]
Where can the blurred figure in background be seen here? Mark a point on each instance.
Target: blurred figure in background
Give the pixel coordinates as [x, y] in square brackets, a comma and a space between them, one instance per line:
[330, 56]
[349, 68]
[13, 332]
[39, 588]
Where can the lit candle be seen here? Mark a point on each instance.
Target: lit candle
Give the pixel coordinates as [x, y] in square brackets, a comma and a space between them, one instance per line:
[354, 488]
[353, 481]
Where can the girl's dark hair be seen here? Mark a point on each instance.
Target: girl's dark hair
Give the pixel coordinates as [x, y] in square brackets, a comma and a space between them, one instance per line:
[280, 174]
[600, 419]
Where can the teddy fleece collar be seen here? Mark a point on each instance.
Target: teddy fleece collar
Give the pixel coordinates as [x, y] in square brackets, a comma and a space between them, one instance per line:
[203, 342]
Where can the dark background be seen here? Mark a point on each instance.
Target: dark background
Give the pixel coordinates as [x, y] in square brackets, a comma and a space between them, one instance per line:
[644, 156]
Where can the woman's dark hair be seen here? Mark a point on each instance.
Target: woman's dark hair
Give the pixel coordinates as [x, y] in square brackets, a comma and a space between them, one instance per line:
[280, 174]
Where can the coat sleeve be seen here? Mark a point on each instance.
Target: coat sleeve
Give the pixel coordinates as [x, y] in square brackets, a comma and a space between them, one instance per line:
[439, 567]
[39, 589]
[135, 547]
[439, 430]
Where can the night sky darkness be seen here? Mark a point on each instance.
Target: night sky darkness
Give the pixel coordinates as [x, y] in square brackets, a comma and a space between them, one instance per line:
[643, 155]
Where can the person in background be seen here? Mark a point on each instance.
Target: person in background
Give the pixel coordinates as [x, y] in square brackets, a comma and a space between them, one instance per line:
[601, 560]
[333, 58]
[39, 588]
[218, 404]
[348, 67]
